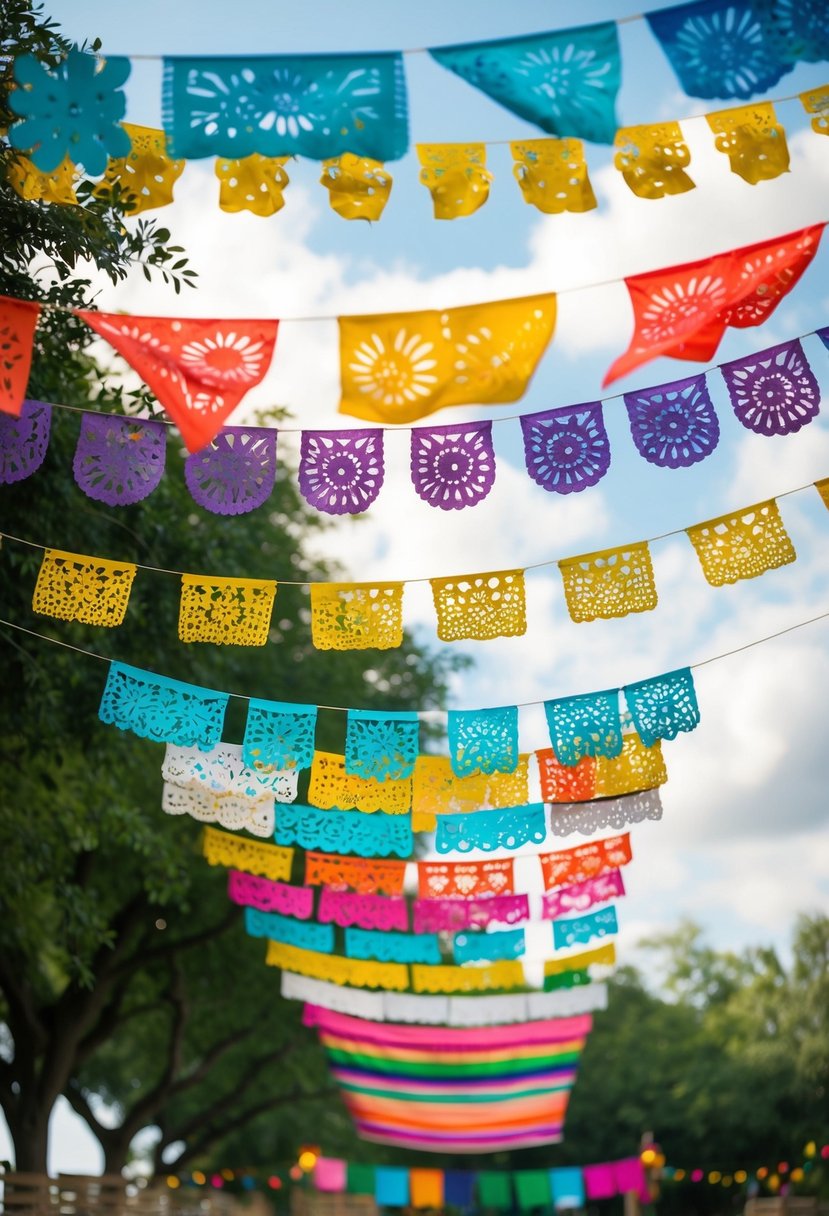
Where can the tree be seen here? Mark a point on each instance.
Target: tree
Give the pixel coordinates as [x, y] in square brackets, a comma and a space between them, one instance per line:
[125, 976]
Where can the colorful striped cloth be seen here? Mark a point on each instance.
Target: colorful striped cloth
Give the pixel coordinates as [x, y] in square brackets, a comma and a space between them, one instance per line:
[453, 1089]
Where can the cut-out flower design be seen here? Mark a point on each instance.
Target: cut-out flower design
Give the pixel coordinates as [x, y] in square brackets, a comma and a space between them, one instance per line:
[395, 373]
[73, 110]
[341, 472]
[224, 359]
[674, 425]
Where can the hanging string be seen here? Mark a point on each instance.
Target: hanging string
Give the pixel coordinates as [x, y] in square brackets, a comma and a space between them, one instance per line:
[426, 713]
[287, 582]
[396, 429]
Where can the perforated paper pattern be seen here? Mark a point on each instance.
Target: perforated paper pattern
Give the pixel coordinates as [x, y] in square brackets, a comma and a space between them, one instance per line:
[566, 450]
[279, 733]
[358, 186]
[483, 741]
[611, 583]
[333, 786]
[367, 911]
[168, 711]
[586, 725]
[637, 768]
[552, 174]
[490, 830]
[146, 175]
[18, 321]
[390, 976]
[663, 706]
[674, 425]
[381, 746]
[91, 590]
[652, 159]
[481, 606]
[251, 891]
[437, 791]
[774, 392]
[753, 140]
[356, 616]
[367, 876]
[583, 895]
[399, 367]
[24, 441]
[453, 466]
[444, 879]
[442, 915]
[344, 831]
[569, 866]
[235, 473]
[232, 611]
[565, 782]
[221, 849]
[743, 545]
[607, 814]
[456, 176]
[222, 770]
[564, 81]
[30, 183]
[501, 976]
[119, 461]
[307, 936]
[232, 811]
[390, 947]
[286, 105]
[341, 472]
[252, 183]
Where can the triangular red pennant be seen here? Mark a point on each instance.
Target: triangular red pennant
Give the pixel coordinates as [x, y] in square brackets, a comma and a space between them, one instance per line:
[683, 311]
[198, 370]
[18, 321]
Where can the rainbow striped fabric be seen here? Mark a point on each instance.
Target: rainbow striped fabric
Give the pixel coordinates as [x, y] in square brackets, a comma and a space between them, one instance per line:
[453, 1089]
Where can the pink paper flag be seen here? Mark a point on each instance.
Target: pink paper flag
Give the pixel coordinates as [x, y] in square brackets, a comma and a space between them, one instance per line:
[330, 1174]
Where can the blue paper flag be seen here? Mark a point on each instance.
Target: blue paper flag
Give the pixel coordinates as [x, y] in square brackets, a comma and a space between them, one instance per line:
[564, 81]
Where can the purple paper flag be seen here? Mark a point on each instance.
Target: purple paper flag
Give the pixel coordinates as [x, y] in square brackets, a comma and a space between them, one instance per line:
[341, 472]
[235, 473]
[453, 466]
[674, 425]
[774, 392]
[567, 449]
[119, 461]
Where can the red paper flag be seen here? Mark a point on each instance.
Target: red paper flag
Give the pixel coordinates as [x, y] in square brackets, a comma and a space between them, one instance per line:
[684, 311]
[198, 370]
[18, 321]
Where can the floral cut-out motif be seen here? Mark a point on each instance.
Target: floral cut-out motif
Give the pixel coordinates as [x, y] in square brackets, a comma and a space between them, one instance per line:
[381, 745]
[483, 741]
[742, 545]
[481, 606]
[614, 582]
[24, 441]
[119, 461]
[453, 466]
[222, 849]
[235, 612]
[356, 616]
[235, 473]
[567, 449]
[674, 425]
[289, 105]
[565, 81]
[341, 472]
[774, 392]
[398, 367]
[72, 587]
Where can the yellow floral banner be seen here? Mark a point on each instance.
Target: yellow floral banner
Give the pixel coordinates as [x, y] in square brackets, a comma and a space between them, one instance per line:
[613, 582]
[398, 367]
[331, 786]
[753, 141]
[652, 159]
[438, 791]
[356, 616]
[252, 856]
[637, 767]
[481, 606]
[234, 611]
[91, 590]
[392, 977]
[456, 176]
[742, 545]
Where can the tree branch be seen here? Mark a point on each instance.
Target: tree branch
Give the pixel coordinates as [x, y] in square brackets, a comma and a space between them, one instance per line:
[77, 1100]
[177, 945]
[212, 1134]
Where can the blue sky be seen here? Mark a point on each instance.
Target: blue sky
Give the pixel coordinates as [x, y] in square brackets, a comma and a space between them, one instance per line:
[744, 842]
